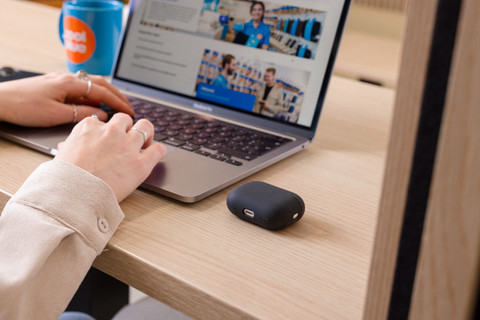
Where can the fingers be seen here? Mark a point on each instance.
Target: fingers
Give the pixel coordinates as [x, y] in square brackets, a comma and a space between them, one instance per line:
[143, 132]
[96, 91]
[87, 111]
[101, 81]
[121, 121]
[103, 91]
[153, 154]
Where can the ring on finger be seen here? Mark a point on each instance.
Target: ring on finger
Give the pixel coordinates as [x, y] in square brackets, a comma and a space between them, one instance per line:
[82, 75]
[143, 132]
[89, 83]
[75, 113]
[94, 116]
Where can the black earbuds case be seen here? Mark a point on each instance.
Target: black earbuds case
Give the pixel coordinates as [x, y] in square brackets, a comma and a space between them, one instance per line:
[265, 205]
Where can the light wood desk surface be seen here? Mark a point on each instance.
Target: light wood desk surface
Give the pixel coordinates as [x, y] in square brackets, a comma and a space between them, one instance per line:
[201, 259]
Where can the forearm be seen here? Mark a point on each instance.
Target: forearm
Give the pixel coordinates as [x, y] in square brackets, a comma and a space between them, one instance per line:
[50, 233]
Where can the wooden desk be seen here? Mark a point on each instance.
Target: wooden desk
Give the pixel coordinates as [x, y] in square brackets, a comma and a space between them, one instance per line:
[200, 258]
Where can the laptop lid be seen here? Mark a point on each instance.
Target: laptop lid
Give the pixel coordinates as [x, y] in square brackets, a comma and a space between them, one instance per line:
[173, 51]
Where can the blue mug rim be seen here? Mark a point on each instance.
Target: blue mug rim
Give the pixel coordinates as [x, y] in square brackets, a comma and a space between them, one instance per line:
[97, 5]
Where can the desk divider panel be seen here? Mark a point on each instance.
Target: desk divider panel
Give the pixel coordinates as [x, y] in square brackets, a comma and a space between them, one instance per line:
[412, 78]
[447, 277]
[395, 5]
[399, 287]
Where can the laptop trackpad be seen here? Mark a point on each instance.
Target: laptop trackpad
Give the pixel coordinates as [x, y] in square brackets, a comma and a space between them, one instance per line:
[50, 137]
[41, 139]
[188, 174]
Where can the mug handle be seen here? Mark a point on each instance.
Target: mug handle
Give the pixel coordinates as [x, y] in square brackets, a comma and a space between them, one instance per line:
[60, 27]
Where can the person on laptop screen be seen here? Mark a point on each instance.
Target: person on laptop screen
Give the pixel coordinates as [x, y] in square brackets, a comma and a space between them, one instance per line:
[228, 68]
[62, 217]
[269, 99]
[257, 31]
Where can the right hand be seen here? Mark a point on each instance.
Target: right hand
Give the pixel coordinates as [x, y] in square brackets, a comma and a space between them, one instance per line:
[111, 151]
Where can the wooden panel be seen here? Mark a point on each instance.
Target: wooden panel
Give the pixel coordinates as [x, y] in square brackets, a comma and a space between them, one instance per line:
[447, 274]
[397, 5]
[416, 52]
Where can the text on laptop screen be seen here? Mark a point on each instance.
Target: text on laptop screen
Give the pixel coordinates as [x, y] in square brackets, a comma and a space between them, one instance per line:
[266, 58]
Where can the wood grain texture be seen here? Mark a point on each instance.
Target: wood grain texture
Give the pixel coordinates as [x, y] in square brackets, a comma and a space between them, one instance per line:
[396, 5]
[420, 24]
[448, 271]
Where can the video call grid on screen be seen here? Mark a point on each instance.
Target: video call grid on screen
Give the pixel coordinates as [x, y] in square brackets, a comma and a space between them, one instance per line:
[180, 46]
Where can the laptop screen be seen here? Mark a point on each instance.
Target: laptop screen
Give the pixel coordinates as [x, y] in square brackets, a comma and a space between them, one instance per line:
[267, 58]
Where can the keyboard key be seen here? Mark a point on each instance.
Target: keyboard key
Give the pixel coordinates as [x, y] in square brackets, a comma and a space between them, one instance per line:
[213, 146]
[160, 123]
[174, 142]
[202, 135]
[185, 137]
[217, 157]
[199, 141]
[189, 131]
[159, 137]
[203, 153]
[190, 147]
[237, 153]
[170, 133]
[234, 162]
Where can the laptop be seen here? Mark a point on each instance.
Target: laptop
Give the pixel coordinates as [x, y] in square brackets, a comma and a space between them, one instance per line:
[227, 97]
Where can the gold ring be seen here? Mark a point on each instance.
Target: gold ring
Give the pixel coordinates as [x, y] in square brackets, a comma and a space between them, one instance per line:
[75, 113]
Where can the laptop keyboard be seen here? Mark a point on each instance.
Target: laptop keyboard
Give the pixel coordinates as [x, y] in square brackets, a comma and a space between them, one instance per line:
[211, 138]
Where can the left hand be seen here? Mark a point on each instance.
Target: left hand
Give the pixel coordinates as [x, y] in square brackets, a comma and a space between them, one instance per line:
[46, 100]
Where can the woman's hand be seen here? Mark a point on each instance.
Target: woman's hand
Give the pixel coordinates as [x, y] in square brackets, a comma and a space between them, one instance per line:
[111, 151]
[48, 100]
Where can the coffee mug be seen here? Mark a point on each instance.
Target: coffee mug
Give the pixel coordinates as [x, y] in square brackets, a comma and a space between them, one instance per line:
[90, 31]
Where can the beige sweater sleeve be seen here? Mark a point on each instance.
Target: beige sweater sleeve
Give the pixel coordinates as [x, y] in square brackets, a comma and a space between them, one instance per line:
[51, 230]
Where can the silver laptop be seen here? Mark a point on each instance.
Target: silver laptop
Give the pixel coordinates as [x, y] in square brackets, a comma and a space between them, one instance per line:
[230, 91]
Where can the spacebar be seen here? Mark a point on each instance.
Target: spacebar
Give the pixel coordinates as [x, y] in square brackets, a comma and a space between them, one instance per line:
[236, 153]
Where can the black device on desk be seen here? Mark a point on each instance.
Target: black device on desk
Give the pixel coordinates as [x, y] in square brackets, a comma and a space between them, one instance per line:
[8, 73]
[265, 205]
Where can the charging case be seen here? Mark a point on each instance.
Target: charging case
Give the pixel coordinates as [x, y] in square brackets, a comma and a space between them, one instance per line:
[265, 205]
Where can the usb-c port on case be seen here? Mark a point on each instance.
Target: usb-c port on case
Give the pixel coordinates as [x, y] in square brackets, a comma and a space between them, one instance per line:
[248, 212]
